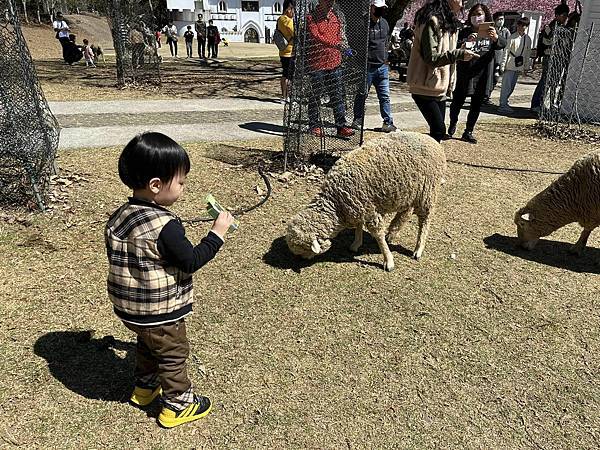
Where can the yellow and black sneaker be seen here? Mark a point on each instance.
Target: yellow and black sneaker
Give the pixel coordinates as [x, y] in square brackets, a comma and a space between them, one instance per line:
[143, 396]
[200, 408]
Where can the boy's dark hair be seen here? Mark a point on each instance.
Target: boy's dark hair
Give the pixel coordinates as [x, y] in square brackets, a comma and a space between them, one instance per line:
[86, 42]
[151, 155]
[189, 26]
[288, 3]
[524, 21]
[561, 9]
[210, 21]
[497, 14]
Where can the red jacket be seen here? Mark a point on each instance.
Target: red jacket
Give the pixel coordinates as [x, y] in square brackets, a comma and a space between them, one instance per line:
[326, 40]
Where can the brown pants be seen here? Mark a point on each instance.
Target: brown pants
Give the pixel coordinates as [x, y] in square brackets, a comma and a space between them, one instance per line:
[163, 350]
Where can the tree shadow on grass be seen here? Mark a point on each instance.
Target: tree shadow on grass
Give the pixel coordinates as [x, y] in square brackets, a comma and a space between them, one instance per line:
[89, 366]
[262, 127]
[550, 253]
[280, 257]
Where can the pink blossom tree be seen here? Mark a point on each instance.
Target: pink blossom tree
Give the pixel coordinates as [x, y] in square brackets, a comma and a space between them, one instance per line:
[546, 7]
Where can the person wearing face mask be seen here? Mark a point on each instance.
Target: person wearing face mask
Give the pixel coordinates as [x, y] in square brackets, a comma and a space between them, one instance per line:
[472, 77]
[378, 72]
[327, 45]
[494, 75]
[432, 61]
[518, 53]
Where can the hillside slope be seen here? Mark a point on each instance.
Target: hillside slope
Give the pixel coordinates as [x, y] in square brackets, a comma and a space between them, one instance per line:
[43, 45]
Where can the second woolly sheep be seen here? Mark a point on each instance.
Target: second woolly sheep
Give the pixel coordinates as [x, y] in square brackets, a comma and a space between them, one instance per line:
[388, 178]
[573, 197]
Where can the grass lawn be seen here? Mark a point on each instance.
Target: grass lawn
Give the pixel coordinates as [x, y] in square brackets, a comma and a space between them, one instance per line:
[495, 348]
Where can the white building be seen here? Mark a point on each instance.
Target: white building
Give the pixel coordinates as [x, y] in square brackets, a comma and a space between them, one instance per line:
[237, 20]
[584, 67]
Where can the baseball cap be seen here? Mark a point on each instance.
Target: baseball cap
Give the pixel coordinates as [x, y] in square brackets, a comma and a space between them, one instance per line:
[378, 3]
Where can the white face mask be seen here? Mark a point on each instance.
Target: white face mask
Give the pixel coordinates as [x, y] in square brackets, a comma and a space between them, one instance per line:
[476, 20]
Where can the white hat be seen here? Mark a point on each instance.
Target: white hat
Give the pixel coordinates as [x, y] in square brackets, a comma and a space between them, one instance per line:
[378, 3]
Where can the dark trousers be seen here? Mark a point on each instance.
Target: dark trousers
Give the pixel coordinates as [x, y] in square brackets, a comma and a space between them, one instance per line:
[163, 350]
[201, 47]
[213, 48]
[327, 82]
[137, 54]
[172, 46]
[188, 48]
[434, 112]
[63, 42]
[458, 100]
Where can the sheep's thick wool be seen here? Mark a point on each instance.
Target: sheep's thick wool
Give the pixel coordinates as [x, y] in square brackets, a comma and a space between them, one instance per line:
[374, 187]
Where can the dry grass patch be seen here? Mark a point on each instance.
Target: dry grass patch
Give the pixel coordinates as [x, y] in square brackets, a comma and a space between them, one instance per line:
[497, 348]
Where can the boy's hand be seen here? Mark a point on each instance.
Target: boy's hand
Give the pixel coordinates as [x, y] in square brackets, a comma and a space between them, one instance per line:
[222, 223]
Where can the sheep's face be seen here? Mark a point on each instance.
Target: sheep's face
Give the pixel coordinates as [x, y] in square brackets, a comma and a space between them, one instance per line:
[527, 231]
[305, 243]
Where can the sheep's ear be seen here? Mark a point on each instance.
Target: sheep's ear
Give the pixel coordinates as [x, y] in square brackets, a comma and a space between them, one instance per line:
[316, 247]
[527, 217]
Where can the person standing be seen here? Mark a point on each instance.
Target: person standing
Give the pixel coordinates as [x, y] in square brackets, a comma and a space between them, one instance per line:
[212, 35]
[432, 59]
[285, 25]
[472, 77]
[62, 32]
[378, 72]
[170, 31]
[494, 74]
[518, 53]
[189, 41]
[88, 54]
[327, 36]
[561, 14]
[201, 36]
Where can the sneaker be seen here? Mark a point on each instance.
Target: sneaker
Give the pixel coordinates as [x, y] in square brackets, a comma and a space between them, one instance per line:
[468, 137]
[143, 396]
[345, 132]
[451, 129]
[317, 131]
[505, 109]
[200, 408]
[388, 128]
[486, 101]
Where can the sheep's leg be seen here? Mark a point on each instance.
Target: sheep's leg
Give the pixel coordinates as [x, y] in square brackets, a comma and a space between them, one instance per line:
[358, 238]
[424, 222]
[388, 258]
[397, 223]
[579, 246]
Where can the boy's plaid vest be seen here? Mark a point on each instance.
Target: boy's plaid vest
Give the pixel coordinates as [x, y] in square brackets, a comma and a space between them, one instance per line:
[142, 287]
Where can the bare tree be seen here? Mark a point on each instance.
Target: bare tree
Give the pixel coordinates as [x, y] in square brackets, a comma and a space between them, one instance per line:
[25, 16]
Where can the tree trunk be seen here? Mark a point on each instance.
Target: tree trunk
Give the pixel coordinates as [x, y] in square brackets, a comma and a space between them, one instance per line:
[396, 11]
[25, 17]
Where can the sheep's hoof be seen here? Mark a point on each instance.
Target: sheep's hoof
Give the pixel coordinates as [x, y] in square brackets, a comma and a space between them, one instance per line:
[388, 267]
[417, 255]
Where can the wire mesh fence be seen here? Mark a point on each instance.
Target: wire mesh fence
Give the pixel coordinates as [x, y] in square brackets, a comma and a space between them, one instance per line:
[570, 103]
[28, 130]
[329, 78]
[132, 25]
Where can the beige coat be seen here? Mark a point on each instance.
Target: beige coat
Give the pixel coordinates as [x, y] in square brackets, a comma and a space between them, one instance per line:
[426, 78]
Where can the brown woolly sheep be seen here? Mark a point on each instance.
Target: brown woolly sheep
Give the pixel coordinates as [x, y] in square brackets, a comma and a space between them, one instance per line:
[392, 175]
[574, 197]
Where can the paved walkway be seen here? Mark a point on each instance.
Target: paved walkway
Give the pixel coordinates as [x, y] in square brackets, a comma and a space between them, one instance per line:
[114, 123]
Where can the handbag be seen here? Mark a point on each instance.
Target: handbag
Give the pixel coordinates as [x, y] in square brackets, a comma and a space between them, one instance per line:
[279, 40]
[519, 60]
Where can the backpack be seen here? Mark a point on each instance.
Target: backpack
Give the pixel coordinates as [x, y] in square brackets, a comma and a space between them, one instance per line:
[279, 40]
